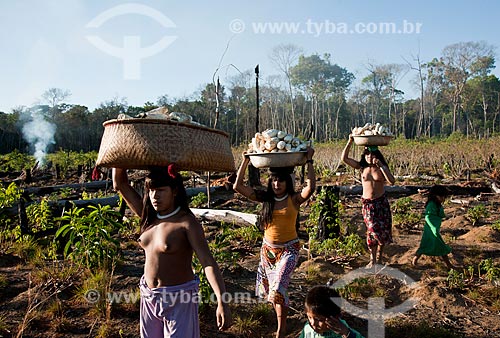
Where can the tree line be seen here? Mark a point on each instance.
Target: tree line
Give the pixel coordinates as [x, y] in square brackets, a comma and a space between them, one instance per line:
[311, 97]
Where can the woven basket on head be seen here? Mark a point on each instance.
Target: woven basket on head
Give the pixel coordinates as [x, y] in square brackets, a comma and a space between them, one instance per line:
[141, 143]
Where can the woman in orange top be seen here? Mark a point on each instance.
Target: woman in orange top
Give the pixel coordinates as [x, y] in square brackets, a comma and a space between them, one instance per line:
[280, 248]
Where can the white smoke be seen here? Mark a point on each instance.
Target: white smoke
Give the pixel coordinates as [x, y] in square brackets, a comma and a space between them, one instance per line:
[39, 133]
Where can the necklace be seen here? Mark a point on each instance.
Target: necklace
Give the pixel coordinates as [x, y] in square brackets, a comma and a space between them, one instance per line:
[279, 199]
[168, 215]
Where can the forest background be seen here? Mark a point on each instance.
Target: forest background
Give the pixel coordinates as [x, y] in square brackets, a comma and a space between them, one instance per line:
[310, 96]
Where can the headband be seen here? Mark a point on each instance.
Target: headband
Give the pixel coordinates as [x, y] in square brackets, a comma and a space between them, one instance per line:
[372, 148]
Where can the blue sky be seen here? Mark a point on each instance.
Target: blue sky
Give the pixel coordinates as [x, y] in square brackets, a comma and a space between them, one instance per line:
[49, 43]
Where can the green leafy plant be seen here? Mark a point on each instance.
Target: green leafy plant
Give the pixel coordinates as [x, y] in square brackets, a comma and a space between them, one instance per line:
[249, 234]
[198, 200]
[344, 247]
[40, 215]
[63, 193]
[496, 225]
[16, 161]
[9, 195]
[362, 287]
[404, 213]
[456, 279]
[476, 213]
[488, 269]
[69, 160]
[89, 235]
[321, 209]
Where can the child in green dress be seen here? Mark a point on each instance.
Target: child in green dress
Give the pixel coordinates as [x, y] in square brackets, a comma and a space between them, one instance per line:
[323, 316]
[432, 244]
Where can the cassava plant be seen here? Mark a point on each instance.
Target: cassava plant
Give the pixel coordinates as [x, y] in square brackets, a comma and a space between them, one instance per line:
[404, 214]
[89, 235]
[476, 213]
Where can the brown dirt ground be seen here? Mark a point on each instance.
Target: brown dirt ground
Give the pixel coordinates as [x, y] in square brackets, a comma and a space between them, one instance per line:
[461, 311]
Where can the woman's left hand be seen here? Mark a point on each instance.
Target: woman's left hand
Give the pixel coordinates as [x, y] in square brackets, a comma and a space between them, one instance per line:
[223, 316]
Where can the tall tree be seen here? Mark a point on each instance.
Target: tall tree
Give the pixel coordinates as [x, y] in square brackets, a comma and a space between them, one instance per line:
[461, 62]
[481, 101]
[420, 81]
[284, 57]
[54, 96]
[318, 78]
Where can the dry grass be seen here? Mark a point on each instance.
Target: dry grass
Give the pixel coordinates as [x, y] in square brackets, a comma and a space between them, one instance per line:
[450, 158]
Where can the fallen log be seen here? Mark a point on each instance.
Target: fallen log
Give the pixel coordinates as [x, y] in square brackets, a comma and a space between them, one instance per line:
[113, 201]
[228, 216]
[396, 190]
[88, 186]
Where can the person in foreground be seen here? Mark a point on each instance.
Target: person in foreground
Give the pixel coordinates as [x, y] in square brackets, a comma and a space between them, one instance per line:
[432, 244]
[323, 316]
[170, 234]
[376, 208]
[280, 248]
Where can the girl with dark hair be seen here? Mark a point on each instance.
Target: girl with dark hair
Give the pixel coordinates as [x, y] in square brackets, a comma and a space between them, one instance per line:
[376, 208]
[432, 244]
[280, 249]
[170, 234]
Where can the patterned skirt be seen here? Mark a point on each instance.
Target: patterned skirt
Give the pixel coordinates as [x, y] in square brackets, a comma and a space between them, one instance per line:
[378, 220]
[277, 263]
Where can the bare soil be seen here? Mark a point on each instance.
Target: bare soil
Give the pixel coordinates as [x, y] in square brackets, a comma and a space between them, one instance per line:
[441, 310]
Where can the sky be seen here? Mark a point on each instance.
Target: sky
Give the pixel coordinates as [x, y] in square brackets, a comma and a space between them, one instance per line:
[140, 50]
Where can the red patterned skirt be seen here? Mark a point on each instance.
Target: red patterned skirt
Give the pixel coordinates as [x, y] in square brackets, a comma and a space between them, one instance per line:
[378, 220]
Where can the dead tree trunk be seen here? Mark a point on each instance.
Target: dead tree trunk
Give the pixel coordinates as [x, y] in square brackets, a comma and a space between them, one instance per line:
[23, 217]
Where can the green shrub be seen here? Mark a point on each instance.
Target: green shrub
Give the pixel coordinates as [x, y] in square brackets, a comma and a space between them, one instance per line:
[488, 270]
[10, 195]
[40, 215]
[321, 209]
[198, 200]
[249, 234]
[345, 246]
[496, 225]
[16, 161]
[455, 279]
[405, 214]
[89, 235]
[476, 213]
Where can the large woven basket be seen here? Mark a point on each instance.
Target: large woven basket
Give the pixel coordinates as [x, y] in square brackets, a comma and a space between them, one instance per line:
[278, 160]
[141, 143]
[372, 140]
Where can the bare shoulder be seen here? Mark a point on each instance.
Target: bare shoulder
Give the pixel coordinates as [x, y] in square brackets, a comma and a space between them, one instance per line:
[189, 221]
